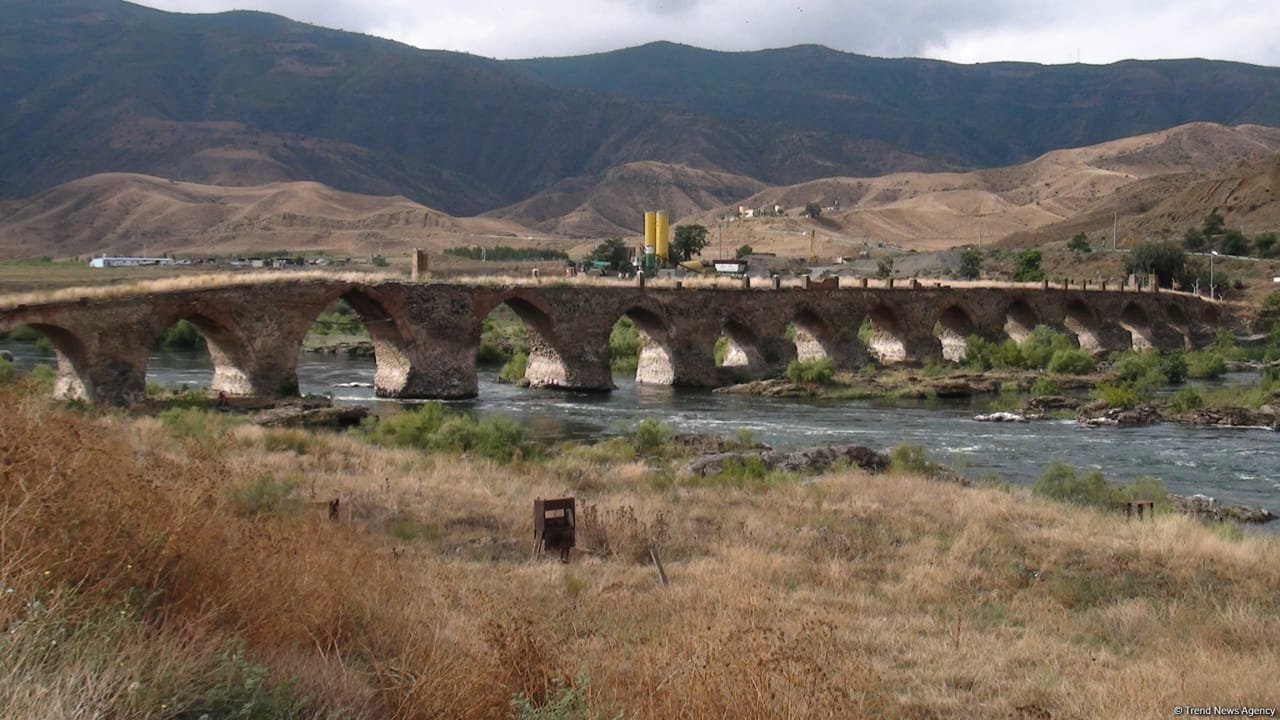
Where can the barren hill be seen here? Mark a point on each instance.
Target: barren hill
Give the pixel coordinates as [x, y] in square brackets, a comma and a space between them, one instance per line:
[614, 202]
[1050, 193]
[123, 213]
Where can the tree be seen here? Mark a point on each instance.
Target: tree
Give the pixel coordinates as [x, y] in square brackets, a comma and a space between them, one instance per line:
[1213, 223]
[688, 241]
[1028, 269]
[970, 264]
[884, 268]
[1165, 261]
[743, 251]
[1193, 239]
[613, 251]
[1234, 243]
[1079, 244]
[812, 209]
[1266, 244]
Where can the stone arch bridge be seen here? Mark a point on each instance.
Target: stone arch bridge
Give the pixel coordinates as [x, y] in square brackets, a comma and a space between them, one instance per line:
[426, 335]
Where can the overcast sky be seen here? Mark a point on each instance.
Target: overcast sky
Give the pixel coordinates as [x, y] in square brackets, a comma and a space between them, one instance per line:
[1046, 31]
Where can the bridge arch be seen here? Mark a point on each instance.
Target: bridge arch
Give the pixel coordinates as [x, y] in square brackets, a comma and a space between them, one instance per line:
[390, 338]
[1020, 320]
[884, 335]
[1180, 323]
[654, 361]
[74, 381]
[1083, 322]
[546, 366]
[740, 348]
[232, 371]
[953, 327]
[812, 336]
[1135, 319]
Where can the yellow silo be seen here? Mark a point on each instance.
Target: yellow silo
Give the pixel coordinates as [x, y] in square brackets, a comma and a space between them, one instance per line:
[664, 238]
[650, 238]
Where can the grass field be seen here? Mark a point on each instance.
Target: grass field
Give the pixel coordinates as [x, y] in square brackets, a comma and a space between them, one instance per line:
[184, 565]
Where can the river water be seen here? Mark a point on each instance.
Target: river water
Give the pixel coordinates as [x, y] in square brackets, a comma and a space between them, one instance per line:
[1234, 465]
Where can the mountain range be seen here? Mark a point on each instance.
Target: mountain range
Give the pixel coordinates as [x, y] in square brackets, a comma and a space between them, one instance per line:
[251, 99]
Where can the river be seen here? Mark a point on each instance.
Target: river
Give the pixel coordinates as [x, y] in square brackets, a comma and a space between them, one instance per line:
[1233, 465]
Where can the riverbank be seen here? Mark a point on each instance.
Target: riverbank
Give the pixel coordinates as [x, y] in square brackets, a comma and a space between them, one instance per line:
[848, 594]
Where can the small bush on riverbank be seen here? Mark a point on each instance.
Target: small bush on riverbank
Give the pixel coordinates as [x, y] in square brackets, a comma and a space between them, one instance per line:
[1071, 361]
[650, 437]
[1035, 352]
[514, 371]
[434, 428]
[811, 372]
[1206, 365]
[1115, 395]
[1064, 483]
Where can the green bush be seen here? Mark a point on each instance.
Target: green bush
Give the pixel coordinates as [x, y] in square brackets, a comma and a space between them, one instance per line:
[264, 496]
[564, 702]
[1072, 361]
[1039, 347]
[1063, 483]
[24, 333]
[433, 428]
[1045, 386]
[624, 347]
[1205, 365]
[197, 424]
[514, 371]
[1122, 396]
[7, 371]
[650, 437]
[182, 335]
[811, 372]
[1185, 400]
[912, 459]
[42, 378]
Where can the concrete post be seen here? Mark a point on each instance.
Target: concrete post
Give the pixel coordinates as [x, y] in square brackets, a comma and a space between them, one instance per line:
[777, 282]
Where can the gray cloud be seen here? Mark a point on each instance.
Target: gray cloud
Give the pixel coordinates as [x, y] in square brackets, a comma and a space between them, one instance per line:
[1050, 31]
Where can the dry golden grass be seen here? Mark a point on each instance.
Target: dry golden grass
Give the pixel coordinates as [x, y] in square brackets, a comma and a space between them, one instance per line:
[843, 596]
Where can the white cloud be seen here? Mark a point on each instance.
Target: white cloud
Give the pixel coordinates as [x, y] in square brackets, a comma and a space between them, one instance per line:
[1049, 31]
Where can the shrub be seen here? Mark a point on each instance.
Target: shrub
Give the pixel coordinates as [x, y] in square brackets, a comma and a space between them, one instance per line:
[1028, 269]
[514, 371]
[6, 370]
[912, 459]
[721, 349]
[1061, 482]
[650, 436]
[24, 333]
[624, 346]
[1071, 362]
[564, 702]
[42, 378]
[1045, 386]
[1185, 400]
[433, 428]
[1122, 396]
[197, 424]
[1205, 365]
[182, 335]
[811, 372]
[264, 496]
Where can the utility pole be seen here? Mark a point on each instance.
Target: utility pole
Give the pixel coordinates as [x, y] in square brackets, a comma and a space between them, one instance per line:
[1115, 225]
